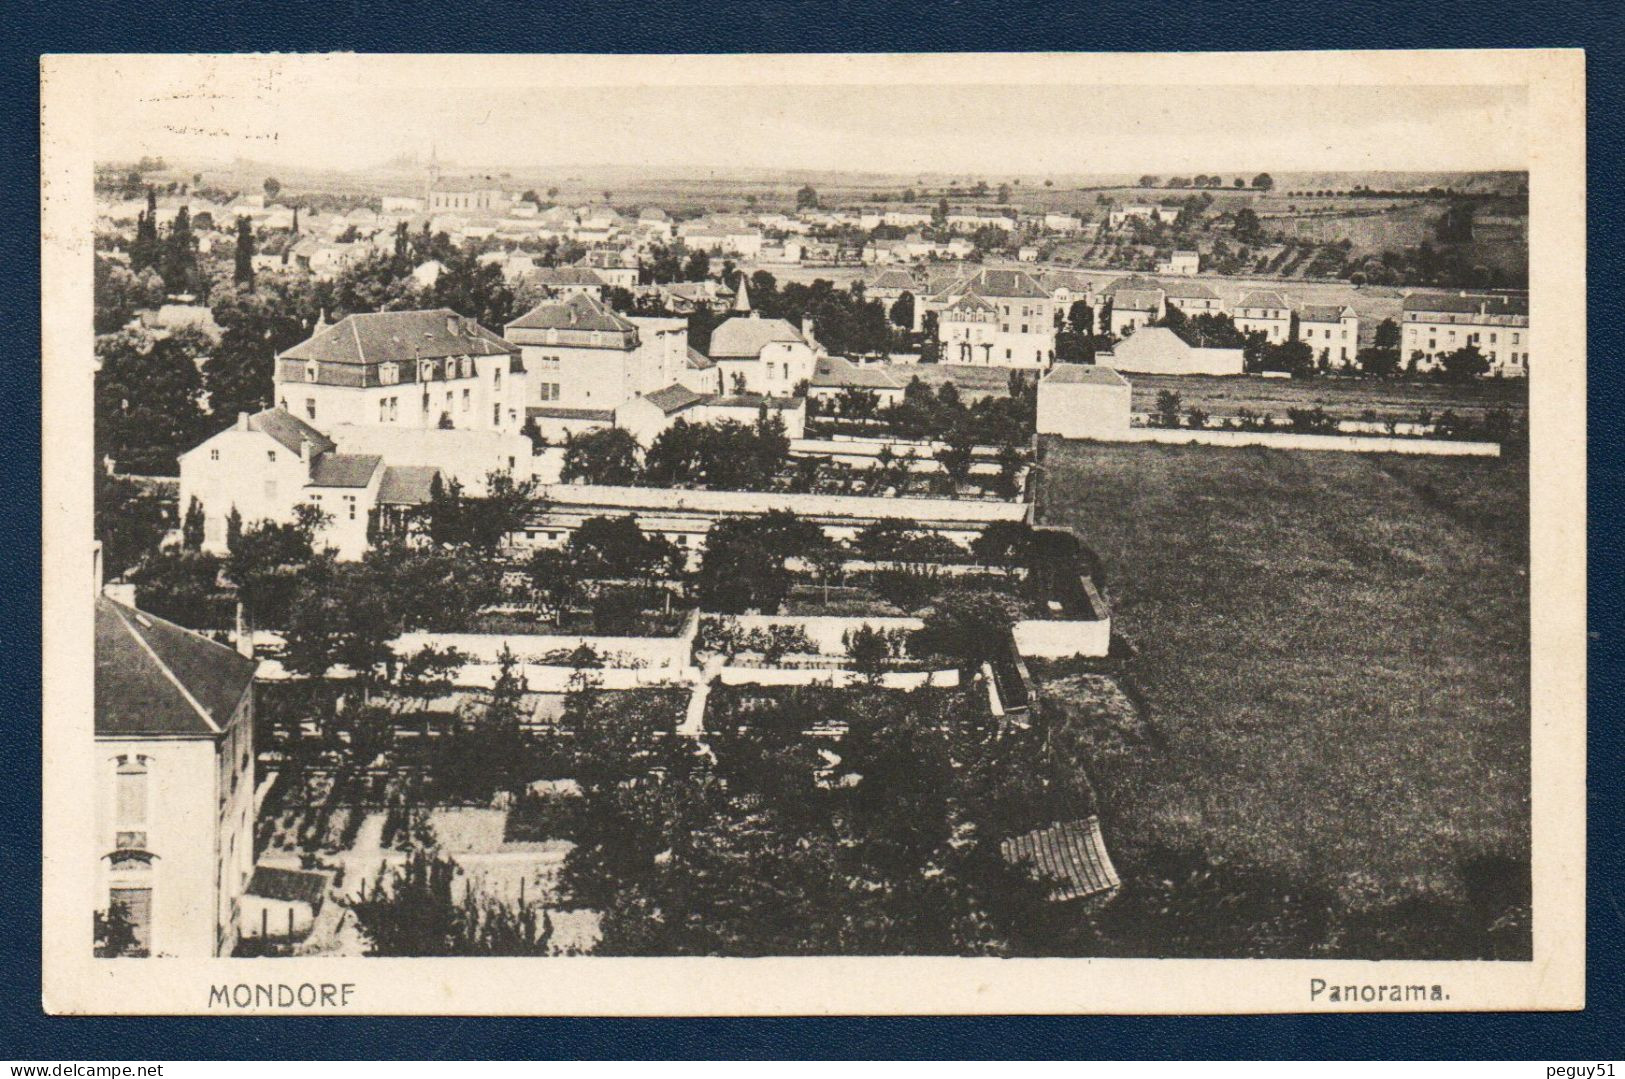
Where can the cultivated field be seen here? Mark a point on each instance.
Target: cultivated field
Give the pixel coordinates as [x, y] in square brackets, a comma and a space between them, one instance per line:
[1330, 652]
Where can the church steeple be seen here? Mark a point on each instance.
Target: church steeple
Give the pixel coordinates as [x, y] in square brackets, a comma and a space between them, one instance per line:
[742, 298]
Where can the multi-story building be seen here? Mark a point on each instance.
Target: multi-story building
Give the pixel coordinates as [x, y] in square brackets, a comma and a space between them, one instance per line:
[404, 368]
[1024, 334]
[756, 355]
[1181, 264]
[566, 281]
[174, 789]
[579, 354]
[1192, 298]
[465, 195]
[1332, 331]
[1133, 308]
[1437, 323]
[1264, 312]
[613, 266]
[967, 330]
[265, 466]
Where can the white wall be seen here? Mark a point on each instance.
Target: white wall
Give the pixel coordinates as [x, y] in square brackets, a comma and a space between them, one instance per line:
[1280, 440]
[1083, 409]
[1056, 639]
[247, 469]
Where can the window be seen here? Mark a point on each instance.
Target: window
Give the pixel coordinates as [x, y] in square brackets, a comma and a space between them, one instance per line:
[270, 455]
[349, 506]
[214, 455]
[130, 792]
[394, 407]
[466, 400]
[548, 391]
[312, 372]
[383, 409]
[388, 374]
[496, 377]
[496, 415]
[310, 408]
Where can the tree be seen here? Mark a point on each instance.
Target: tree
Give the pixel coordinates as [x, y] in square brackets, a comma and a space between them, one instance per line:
[616, 548]
[148, 405]
[243, 267]
[120, 292]
[607, 457]
[743, 566]
[192, 525]
[869, 651]
[255, 325]
[1387, 334]
[967, 628]
[1239, 182]
[1464, 364]
[902, 312]
[130, 522]
[273, 187]
[267, 562]
[807, 198]
[1168, 408]
[1005, 543]
[1263, 181]
[413, 911]
[1004, 194]
[1378, 362]
[178, 264]
[957, 453]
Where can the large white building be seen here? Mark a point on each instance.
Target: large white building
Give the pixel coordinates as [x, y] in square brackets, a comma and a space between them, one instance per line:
[1022, 333]
[758, 355]
[1332, 331]
[265, 466]
[1264, 312]
[1437, 323]
[404, 368]
[174, 790]
[583, 360]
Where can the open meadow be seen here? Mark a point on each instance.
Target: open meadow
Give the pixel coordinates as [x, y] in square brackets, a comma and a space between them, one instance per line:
[1329, 654]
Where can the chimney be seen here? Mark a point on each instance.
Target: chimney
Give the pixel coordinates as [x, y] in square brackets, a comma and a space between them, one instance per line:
[306, 449]
[242, 421]
[451, 325]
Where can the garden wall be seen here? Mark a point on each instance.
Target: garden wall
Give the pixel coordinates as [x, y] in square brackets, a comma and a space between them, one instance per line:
[805, 676]
[827, 631]
[1061, 639]
[1284, 440]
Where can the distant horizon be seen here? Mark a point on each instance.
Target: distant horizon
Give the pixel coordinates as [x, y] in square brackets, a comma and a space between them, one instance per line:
[523, 114]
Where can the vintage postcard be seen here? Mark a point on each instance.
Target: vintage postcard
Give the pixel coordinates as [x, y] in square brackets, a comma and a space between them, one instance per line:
[729, 535]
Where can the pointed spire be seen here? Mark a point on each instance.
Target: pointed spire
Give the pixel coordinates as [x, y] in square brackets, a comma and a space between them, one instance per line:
[742, 297]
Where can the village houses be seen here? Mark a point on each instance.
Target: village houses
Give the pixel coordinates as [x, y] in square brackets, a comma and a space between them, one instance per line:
[1264, 312]
[1436, 323]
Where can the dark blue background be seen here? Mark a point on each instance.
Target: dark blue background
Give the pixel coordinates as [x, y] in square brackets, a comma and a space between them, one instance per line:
[31, 27]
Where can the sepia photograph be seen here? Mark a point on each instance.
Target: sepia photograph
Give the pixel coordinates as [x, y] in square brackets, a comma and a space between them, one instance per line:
[1024, 508]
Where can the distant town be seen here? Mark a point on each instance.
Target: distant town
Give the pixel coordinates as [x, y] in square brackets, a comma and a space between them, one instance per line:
[754, 569]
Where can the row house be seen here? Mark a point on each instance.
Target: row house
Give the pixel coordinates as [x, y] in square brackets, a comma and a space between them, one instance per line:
[1436, 323]
[1332, 331]
[1265, 312]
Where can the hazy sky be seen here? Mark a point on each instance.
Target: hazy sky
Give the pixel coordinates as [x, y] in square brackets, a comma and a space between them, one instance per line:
[716, 112]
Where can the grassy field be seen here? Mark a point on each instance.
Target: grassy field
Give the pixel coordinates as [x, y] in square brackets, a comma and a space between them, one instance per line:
[1330, 652]
[1345, 398]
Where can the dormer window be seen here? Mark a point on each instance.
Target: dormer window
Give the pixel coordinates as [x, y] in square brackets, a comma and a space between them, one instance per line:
[388, 374]
[312, 371]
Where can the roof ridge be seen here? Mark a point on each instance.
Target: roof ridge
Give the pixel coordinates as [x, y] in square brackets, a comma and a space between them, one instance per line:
[197, 705]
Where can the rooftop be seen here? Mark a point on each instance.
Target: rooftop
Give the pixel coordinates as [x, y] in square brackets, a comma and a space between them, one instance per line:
[156, 678]
[406, 485]
[344, 469]
[1324, 312]
[289, 430]
[382, 336]
[289, 885]
[673, 398]
[1075, 373]
[578, 312]
[843, 373]
[744, 337]
[1262, 300]
[1462, 304]
[1072, 854]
